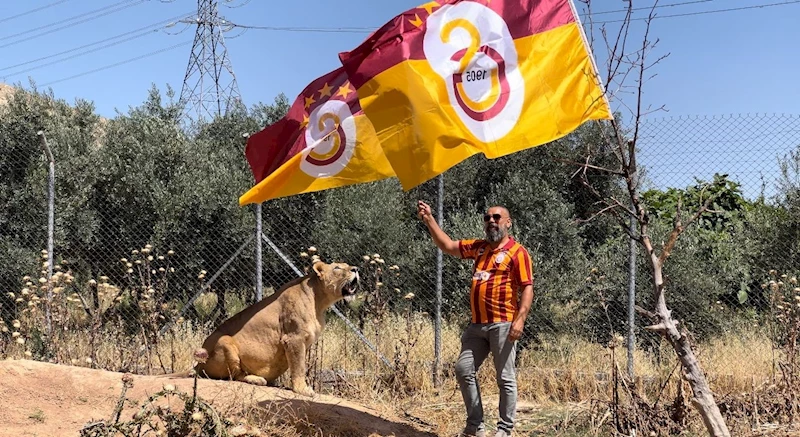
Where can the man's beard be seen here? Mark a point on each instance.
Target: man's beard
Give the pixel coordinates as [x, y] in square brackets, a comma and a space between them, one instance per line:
[494, 234]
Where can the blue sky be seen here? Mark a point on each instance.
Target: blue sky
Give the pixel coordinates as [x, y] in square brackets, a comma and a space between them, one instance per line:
[720, 63]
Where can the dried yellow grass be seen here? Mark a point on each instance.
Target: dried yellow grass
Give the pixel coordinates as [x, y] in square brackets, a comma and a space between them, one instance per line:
[563, 371]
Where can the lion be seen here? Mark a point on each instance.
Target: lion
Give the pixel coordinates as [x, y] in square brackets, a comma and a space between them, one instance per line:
[264, 340]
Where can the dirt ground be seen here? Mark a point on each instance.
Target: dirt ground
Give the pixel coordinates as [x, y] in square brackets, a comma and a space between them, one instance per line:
[41, 399]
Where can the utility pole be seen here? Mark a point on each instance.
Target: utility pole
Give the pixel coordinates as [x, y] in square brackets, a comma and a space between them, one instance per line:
[209, 87]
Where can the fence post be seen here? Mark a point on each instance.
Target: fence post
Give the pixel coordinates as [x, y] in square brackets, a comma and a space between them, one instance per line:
[51, 193]
[259, 266]
[437, 336]
[259, 247]
[631, 297]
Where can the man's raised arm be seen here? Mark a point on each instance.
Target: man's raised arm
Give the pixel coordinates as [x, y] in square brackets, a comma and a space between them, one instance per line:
[442, 240]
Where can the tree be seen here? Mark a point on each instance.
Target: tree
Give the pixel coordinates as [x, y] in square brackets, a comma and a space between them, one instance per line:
[623, 65]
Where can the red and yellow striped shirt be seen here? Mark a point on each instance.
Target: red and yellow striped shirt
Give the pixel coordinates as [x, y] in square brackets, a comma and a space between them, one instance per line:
[497, 276]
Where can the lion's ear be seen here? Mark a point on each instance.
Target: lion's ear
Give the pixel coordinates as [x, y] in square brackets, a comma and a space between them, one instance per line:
[318, 266]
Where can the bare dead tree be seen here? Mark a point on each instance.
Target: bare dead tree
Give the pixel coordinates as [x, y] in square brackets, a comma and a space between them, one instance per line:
[627, 69]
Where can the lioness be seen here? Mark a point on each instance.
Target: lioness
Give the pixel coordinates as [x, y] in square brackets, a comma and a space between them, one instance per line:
[261, 342]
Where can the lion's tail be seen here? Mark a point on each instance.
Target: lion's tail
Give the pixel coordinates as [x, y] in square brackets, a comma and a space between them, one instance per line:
[184, 374]
[201, 355]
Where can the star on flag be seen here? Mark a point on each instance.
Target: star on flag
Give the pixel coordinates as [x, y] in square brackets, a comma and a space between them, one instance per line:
[344, 91]
[429, 7]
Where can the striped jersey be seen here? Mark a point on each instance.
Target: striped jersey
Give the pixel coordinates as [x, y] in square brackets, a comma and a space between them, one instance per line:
[497, 275]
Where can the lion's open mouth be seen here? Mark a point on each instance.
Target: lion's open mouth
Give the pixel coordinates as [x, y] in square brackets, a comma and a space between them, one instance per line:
[349, 288]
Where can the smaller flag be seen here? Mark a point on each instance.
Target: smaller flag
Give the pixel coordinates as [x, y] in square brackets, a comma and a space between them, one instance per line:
[323, 142]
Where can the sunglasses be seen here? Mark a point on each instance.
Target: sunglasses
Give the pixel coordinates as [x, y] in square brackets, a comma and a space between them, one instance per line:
[496, 217]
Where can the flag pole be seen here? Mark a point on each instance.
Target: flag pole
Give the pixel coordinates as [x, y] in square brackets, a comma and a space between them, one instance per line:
[437, 339]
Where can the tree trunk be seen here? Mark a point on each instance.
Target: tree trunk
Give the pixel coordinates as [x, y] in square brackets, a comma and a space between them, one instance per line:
[702, 397]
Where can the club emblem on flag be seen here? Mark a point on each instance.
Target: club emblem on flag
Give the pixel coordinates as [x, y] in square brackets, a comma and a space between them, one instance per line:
[331, 139]
[470, 46]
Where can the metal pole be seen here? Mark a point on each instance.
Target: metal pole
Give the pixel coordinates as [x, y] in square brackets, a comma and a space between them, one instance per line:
[437, 335]
[259, 247]
[259, 265]
[51, 194]
[631, 298]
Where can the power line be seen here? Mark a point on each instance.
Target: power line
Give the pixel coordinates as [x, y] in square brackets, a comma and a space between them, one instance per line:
[305, 29]
[652, 7]
[142, 31]
[713, 11]
[370, 29]
[40, 8]
[123, 62]
[56, 23]
[68, 58]
[107, 12]
[354, 29]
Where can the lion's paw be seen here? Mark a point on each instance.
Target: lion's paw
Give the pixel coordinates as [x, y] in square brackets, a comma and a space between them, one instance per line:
[305, 391]
[255, 380]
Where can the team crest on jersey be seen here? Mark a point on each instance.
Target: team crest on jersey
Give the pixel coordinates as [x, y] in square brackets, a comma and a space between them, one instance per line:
[481, 275]
[500, 258]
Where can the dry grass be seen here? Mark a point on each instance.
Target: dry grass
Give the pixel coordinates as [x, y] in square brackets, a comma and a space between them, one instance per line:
[557, 382]
[560, 377]
[560, 369]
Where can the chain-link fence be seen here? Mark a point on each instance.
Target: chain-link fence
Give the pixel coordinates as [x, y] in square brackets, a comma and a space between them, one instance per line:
[150, 251]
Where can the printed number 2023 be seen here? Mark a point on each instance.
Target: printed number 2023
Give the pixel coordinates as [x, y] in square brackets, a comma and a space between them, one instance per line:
[476, 75]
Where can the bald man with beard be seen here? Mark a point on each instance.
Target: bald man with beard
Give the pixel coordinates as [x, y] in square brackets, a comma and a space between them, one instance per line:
[501, 293]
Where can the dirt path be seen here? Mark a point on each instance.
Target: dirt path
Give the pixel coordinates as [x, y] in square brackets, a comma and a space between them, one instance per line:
[41, 399]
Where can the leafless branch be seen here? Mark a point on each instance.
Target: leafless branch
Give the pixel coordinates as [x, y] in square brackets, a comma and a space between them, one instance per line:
[612, 206]
[660, 108]
[657, 61]
[642, 67]
[585, 165]
[598, 213]
[645, 312]
[660, 328]
[622, 38]
[590, 21]
[679, 228]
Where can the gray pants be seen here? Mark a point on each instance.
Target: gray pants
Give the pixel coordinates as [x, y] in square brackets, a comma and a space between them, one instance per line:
[476, 343]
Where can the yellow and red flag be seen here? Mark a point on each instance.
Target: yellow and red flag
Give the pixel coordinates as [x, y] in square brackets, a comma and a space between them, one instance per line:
[453, 78]
[323, 142]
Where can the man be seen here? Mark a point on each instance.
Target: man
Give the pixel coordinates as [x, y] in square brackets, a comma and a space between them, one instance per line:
[502, 268]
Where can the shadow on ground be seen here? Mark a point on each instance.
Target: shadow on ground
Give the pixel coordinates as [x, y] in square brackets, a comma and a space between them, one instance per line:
[337, 420]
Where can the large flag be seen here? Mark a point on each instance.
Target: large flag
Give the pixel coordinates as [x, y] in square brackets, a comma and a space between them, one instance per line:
[453, 78]
[324, 141]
